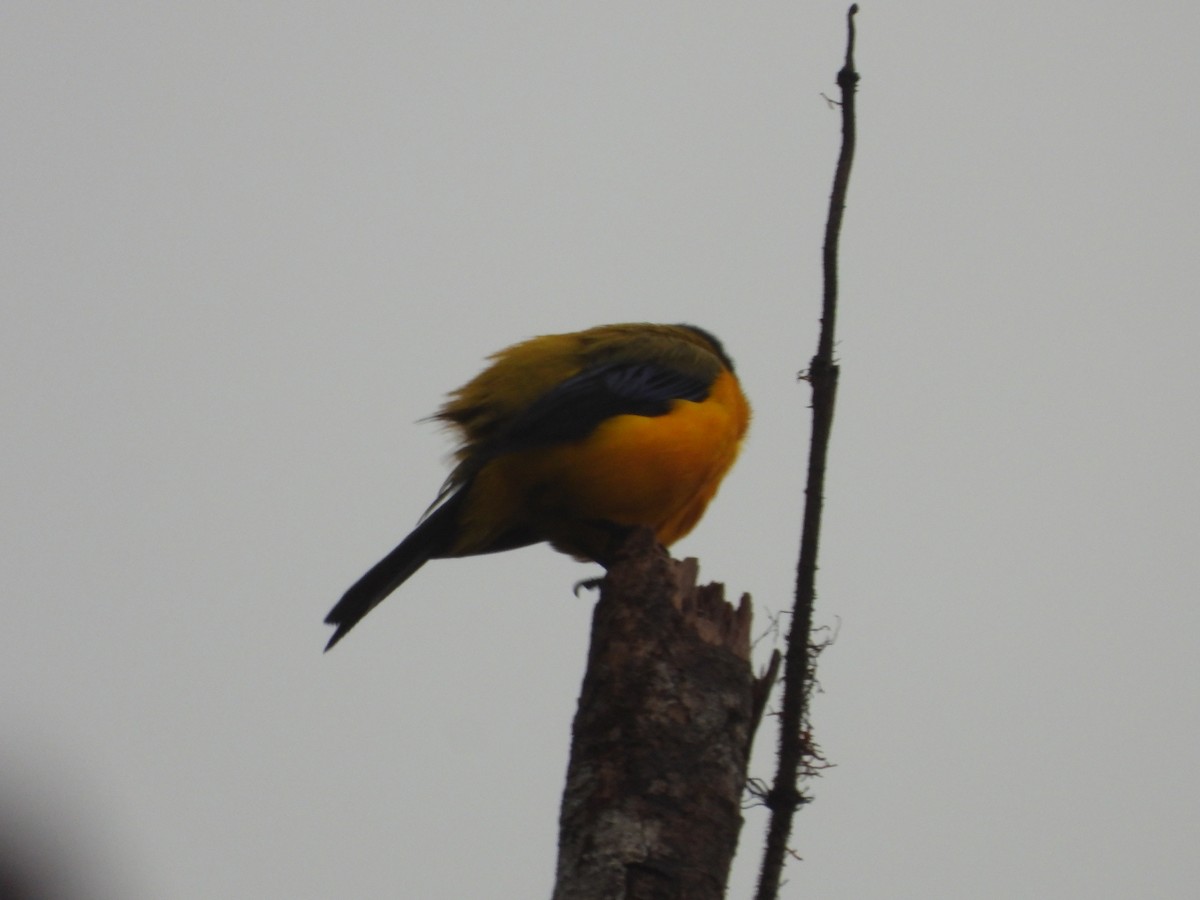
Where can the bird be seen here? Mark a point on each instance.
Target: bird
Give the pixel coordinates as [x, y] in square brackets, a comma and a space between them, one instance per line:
[574, 439]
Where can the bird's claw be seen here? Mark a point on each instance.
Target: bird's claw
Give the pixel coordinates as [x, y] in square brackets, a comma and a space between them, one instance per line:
[587, 584]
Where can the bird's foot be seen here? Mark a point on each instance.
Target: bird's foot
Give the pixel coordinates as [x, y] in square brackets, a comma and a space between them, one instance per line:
[587, 584]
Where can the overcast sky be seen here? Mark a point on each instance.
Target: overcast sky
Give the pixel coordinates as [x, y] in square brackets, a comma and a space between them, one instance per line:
[246, 247]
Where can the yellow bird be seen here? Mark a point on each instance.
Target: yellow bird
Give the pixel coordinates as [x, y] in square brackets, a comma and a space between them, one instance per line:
[575, 439]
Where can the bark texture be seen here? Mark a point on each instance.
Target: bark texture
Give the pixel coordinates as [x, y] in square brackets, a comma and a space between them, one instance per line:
[652, 804]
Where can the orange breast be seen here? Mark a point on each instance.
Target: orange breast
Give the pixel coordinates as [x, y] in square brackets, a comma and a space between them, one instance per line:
[658, 471]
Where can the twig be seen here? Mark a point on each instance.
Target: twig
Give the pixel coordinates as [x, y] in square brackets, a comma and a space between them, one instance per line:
[796, 750]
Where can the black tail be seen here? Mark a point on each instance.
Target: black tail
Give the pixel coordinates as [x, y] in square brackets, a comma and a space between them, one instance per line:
[431, 538]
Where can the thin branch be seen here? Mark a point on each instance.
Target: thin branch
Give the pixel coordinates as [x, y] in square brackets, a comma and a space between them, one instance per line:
[796, 749]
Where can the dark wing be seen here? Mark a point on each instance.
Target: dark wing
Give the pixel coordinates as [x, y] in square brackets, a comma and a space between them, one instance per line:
[571, 411]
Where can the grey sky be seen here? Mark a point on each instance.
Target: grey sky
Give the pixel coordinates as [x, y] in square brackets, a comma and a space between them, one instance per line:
[246, 247]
